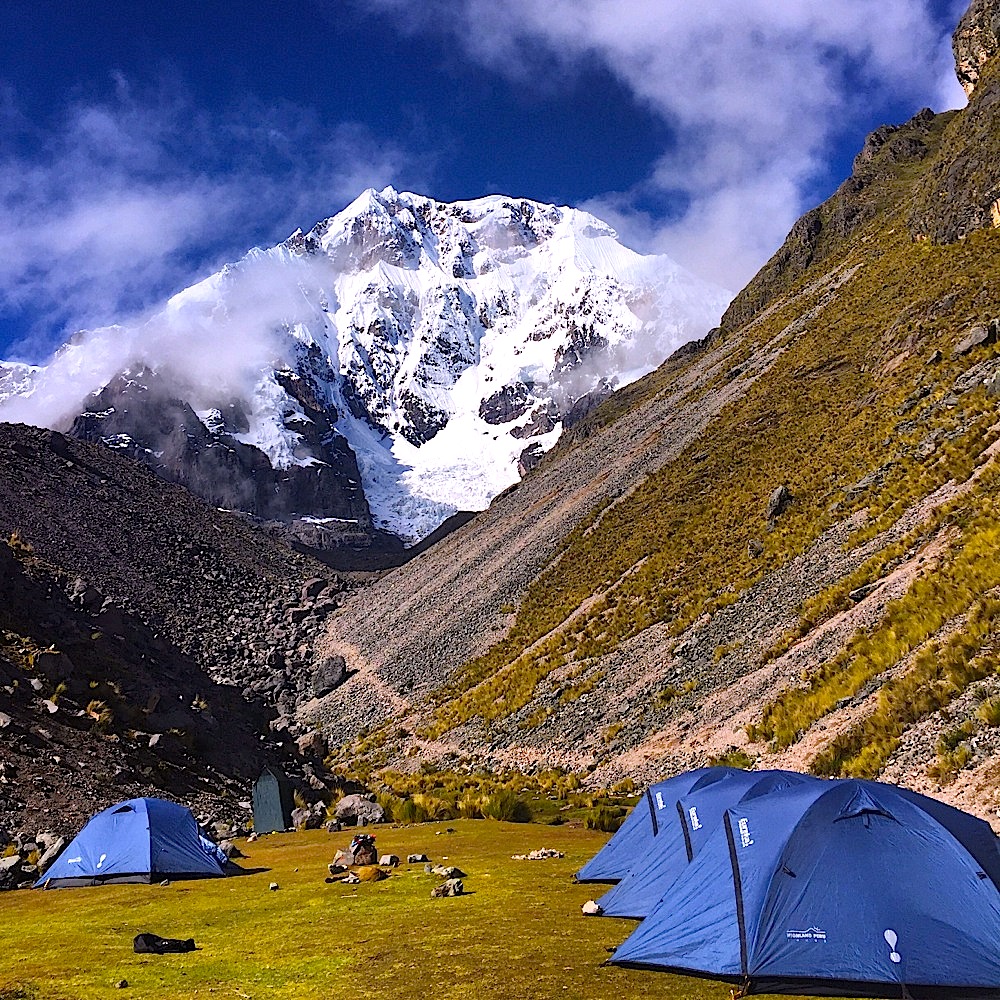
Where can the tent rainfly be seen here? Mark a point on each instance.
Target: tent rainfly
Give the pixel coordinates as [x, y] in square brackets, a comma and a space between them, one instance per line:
[642, 826]
[141, 840]
[835, 888]
[692, 819]
[273, 801]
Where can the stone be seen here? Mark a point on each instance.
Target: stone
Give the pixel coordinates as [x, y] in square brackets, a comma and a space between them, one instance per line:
[305, 818]
[975, 337]
[122, 984]
[312, 745]
[50, 853]
[5, 720]
[416, 859]
[389, 860]
[274, 887]
[53, 665]
[328, 674]
[778, 502]
[934, 357]
[591, 909]
[312, 588]
[11, 872]
[359, 809]
[453, 887]
[860, 593]
[755, 548]
[529, 458]
[447, 871]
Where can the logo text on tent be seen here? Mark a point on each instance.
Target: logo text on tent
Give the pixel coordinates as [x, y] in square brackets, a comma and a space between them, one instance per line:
[695, 822]
[660, 804]
[745, 839]
[810, 934]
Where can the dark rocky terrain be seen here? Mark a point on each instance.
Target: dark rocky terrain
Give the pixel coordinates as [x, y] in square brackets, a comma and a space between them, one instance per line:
[149, 643]
[144, 414]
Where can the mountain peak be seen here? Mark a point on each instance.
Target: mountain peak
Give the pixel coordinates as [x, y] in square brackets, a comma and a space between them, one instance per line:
[444, 345]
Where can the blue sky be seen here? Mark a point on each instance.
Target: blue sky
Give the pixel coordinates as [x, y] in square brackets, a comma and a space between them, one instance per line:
[143, 144]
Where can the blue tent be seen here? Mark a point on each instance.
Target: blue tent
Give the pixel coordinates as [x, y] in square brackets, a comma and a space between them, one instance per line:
[141, 840]
[695, 817]
[836, 888]
[634, 837]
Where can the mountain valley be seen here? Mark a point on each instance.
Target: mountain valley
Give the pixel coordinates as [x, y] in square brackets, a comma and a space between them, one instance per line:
[770, 546]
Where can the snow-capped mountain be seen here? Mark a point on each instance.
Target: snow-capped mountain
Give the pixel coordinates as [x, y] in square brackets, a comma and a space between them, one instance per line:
[426, 352]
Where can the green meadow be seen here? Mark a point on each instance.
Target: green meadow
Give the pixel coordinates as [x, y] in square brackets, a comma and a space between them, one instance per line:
[517, 933]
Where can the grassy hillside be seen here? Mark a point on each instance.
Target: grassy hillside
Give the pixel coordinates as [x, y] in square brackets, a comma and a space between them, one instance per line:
[669, 612]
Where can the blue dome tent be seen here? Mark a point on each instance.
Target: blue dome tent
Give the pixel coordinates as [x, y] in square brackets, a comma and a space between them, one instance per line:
[695, 815]
[141, 840]
[835, 888]
[633, 838]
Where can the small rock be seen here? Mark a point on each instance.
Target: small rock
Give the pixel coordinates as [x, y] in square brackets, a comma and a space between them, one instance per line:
[861, 593]
[778, 501]
[122, 984]
[274, 886]
[389, 860]
[165, 883]
[416, 859]
[755, 547]
[591, 909]
[447, 871]
[453, 887]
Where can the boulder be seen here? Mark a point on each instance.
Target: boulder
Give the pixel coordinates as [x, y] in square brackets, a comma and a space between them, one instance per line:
[11, 872]
[50, 853]
[53, 665]
[447, 871]
[328, 674]
[974, 337]
[359, 809]
[313, 745]
[304, 818]
[778, 501]
[453, 887]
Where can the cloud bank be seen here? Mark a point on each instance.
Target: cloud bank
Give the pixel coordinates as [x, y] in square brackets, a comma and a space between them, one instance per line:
[126, 201]
[756, 93]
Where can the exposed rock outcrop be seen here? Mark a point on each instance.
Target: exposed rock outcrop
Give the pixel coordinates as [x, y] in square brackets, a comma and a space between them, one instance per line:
[975, 41]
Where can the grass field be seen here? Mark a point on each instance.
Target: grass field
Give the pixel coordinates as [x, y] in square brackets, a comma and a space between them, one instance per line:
[518, 933]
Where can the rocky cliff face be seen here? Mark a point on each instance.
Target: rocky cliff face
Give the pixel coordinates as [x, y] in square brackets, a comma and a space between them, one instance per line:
[736, 558]
[975, 41]
[385, 370]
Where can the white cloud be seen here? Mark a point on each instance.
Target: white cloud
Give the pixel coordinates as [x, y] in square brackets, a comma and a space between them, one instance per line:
[129, 200]
[755, 91]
